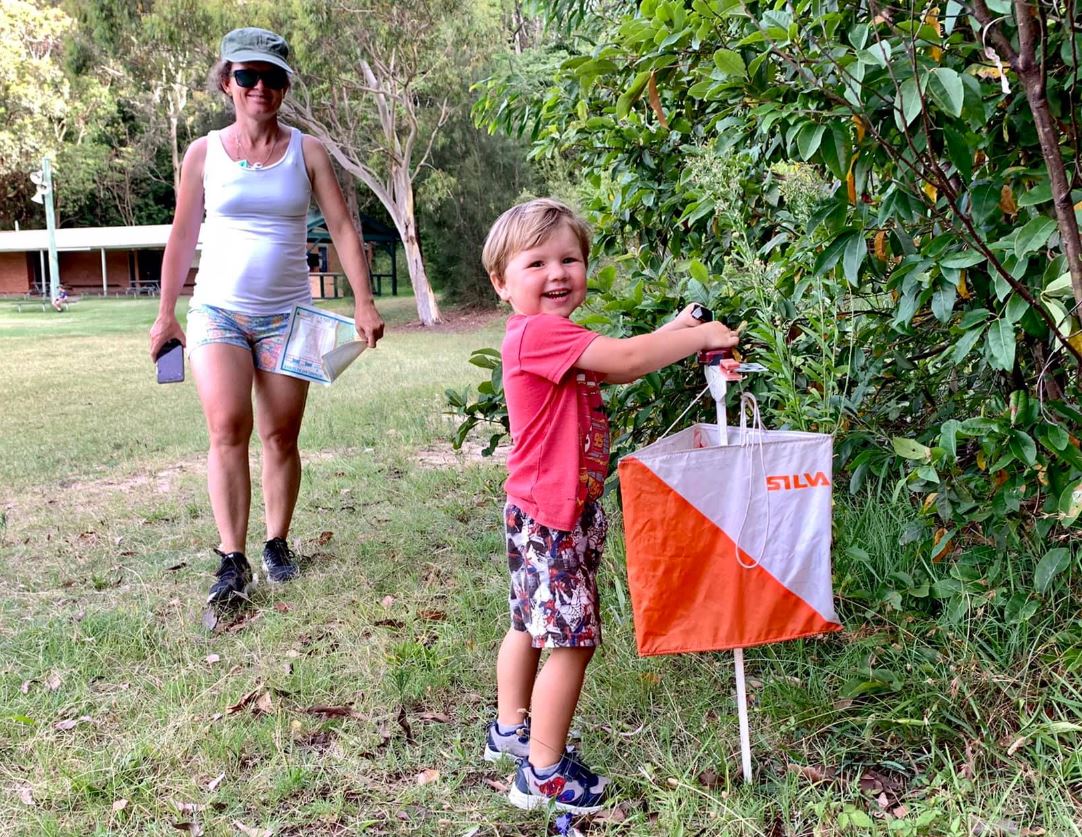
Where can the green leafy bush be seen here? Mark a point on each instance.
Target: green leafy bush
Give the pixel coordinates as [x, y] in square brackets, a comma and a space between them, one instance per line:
[874, 197]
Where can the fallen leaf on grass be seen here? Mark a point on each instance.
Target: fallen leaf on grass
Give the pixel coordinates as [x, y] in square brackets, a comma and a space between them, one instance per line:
[250, 831]
[189, 807]
[264, 704]
[72, 723]
[711, 779]
[26, 794]
[212, 785]
[210, 620]
[244, 701]
[25, 687]
[282, 607]
[324, 538]
[390, 623]
[1016, 745]
[403, 722]
[900, 812]
[332, 711]
[119, 805]
[886, 789]
[432, 615]
[244, 620]
[387, 601]
[53, 681]
[814, 773]
[617, 815]
[472, 832]
[435, 717]
[259, 699]
[176, 567]
[213, 658]
[427, 776]
[193, 828]
[499, 787]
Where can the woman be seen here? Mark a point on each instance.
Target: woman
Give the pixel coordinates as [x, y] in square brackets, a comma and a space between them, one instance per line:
[255, 179]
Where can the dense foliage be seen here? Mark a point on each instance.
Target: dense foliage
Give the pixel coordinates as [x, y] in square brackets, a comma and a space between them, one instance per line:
[874, 192]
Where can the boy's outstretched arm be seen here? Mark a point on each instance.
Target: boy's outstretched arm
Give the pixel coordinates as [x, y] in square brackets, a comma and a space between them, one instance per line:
[622, 361]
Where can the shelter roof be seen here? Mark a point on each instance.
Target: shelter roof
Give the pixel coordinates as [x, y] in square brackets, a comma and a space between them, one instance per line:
[149, 237]
[374, 231]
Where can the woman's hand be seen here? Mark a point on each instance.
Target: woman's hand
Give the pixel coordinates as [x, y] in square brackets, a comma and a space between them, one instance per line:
[165, 328]
[368, 322]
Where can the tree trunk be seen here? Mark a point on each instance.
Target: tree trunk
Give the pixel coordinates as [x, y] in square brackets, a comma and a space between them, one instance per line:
[406, 222]
[1032, 75]
[176, 155]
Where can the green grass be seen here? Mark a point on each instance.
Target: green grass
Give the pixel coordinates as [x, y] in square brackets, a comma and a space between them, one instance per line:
[961, 723]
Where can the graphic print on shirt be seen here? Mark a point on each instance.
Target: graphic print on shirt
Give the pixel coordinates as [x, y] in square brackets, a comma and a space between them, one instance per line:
[594, 430]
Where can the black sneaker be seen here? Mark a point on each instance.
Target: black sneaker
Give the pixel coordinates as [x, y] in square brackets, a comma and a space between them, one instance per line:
[234, 580]
[278, 561]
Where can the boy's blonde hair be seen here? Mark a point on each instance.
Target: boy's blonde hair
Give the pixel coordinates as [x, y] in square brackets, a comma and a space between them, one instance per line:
[527, 225]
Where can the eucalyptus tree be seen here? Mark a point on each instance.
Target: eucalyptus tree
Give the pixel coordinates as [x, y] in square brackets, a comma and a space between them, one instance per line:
[378, 85]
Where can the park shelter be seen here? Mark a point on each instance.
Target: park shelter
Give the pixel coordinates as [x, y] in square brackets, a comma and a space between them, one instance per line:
[92, 260]
[326, 269]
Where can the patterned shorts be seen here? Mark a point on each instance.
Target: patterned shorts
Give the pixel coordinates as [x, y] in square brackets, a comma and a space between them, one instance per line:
[262, 335]
[554, 578]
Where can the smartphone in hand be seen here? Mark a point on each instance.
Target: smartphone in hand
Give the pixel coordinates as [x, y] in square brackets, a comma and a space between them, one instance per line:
[170, 363]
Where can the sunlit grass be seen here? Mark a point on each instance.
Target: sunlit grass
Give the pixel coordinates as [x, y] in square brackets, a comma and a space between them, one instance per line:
[105, 559]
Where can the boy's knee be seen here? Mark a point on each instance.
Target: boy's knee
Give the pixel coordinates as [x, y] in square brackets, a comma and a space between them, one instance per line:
[580, 655]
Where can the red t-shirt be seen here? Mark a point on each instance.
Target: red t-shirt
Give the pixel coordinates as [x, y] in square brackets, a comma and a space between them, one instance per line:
[558, 423]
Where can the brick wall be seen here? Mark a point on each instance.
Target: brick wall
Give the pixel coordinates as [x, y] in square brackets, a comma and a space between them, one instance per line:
[14, 273]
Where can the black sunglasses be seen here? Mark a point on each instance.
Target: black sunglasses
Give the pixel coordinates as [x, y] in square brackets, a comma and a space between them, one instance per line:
[273, 79]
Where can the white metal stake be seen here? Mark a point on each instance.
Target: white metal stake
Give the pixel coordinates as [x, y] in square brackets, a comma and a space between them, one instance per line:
[718, 389]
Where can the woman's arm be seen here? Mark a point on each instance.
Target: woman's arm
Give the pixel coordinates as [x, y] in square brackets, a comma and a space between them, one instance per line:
[347, 241]
[180, 249]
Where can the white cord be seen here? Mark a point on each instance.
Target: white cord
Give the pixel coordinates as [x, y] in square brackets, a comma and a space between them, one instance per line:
[757, 419]
[688, 410]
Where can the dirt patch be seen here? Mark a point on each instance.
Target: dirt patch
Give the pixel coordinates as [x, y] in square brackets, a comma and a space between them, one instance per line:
[445, 456]
[458, 320]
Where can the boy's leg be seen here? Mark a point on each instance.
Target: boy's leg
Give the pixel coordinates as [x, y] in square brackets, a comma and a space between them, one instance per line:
[555, 696]
[516, 669]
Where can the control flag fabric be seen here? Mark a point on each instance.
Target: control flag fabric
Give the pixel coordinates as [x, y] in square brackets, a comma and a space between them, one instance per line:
[728, 546]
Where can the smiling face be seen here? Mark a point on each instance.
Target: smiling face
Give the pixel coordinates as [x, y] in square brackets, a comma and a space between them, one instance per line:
[548, 278]
[258, 100]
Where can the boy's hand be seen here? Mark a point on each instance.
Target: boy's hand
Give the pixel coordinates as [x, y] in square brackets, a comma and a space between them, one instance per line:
[686, 319]
[717, 336]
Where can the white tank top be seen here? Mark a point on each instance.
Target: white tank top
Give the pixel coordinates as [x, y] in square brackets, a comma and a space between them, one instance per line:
[253, 259]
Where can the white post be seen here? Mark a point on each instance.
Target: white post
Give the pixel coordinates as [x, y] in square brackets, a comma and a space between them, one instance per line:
[50, 223]
[718, 389]
[104, 275]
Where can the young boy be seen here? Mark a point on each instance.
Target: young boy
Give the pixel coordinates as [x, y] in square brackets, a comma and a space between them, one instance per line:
[536, 256]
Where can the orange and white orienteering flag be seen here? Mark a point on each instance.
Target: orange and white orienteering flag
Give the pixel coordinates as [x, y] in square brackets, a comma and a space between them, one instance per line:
[728, 546]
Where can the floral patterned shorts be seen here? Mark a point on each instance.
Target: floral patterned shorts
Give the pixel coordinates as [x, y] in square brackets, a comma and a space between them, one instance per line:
[262, 335]
[554, 578]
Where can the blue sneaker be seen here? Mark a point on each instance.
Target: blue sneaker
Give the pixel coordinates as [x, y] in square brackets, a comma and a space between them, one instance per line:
[515, 744]
[571, 787]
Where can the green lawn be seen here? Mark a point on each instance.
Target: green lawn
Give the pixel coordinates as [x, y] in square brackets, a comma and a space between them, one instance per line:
[354, 701]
